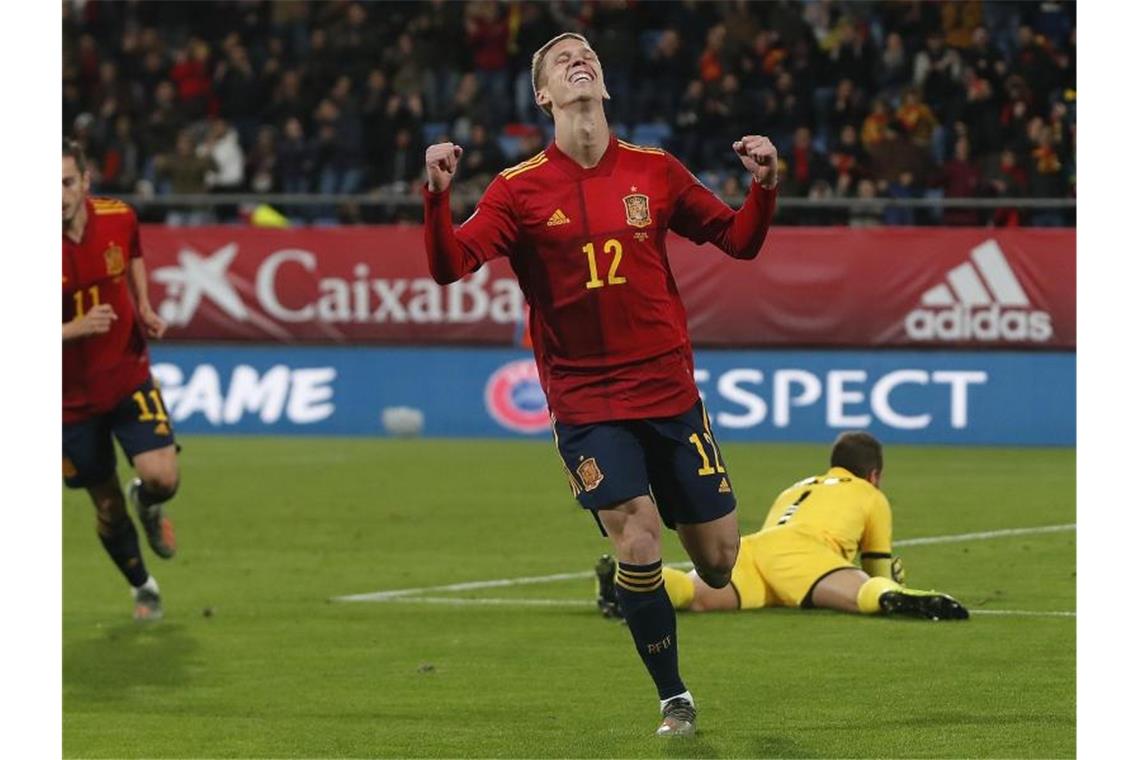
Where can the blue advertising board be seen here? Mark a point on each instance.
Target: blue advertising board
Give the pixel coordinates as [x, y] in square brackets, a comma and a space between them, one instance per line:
[960, 397]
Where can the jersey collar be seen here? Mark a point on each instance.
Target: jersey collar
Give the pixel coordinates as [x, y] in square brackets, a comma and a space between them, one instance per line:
[575, 170]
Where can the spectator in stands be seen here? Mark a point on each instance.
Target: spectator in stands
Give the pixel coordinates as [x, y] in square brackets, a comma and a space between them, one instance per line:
[664, 78]
[122, 163]
[289, 101]
[488, 37]
[436, 29]
[238, 89]
[848, 160]
[937, 69]
[482, 158]
[806, 165]
[875, 124]
[867, 212]
[1006, 179]
[222, 147]
[846, 107]
[295, 159]
[337, 150]
[893, 71]
[261, 162]
[983, 59]
[916, 118]
[468, 106]
[1046, 174]
[894, 156]
[614, 37]
[981, 113]
[688, 124]
[960, 178]
[184, 172]
[191, 77]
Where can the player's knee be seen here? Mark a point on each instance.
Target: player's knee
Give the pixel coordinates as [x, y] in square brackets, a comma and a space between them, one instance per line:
[162, 483]
[640, 547]
[715, 568]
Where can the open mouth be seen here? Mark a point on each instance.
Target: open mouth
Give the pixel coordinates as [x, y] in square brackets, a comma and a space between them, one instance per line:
[581, 75]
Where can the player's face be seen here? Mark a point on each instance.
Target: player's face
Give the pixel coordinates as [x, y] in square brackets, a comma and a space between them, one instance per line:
[573, 73]
[75, 187]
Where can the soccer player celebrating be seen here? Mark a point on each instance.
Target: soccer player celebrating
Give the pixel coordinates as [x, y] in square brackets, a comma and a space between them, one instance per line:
[584, 225]
[107, 387]
[802, 557]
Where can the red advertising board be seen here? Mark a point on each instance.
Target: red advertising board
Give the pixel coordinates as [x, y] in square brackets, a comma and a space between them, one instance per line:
[833, 286]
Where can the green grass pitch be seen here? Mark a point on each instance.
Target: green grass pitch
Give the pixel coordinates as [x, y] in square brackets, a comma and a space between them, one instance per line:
[254, 660]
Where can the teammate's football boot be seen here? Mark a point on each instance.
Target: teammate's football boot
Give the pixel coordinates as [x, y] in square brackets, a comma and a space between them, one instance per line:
[925, 604]
[157, 526]
[678, 718]
[148, 604]
[606, 571]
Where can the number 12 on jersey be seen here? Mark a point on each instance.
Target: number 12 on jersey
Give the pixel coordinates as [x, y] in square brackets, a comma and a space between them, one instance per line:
[612, 247]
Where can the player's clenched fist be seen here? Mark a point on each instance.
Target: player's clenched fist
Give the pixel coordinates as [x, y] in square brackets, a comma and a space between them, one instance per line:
[98, 320]
[442, 160]
[758, 155]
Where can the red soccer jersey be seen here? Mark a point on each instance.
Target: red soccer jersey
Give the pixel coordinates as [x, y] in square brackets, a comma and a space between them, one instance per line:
[588, 247]
[100, 370]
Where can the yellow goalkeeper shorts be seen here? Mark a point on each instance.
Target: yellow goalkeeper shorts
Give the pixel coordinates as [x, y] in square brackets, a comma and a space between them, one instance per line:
[778, 567]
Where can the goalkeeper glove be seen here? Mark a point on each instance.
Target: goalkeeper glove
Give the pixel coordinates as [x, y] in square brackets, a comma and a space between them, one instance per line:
[898, 572]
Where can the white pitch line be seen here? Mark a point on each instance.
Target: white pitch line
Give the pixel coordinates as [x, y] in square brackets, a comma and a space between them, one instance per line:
[459, 601]
[476, 601]
[1026, 613]
[986, 535]
[380, 596]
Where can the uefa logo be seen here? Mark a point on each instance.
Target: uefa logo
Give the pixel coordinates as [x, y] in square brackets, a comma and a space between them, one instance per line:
[514, 398]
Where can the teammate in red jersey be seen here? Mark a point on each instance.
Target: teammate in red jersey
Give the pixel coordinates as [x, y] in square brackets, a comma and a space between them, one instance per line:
[107, 387]
[584, 225]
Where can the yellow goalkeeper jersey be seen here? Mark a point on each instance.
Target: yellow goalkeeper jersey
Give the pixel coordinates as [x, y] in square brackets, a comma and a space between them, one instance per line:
[844, 510]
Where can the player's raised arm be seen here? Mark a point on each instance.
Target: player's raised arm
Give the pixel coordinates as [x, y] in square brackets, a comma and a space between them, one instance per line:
[489, 232]
[704, 218]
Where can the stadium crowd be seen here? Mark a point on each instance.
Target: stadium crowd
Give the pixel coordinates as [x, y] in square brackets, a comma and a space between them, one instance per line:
[865, 100]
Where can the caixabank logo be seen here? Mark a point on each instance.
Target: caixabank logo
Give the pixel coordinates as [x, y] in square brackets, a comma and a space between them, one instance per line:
[981, 300]
[514, 398]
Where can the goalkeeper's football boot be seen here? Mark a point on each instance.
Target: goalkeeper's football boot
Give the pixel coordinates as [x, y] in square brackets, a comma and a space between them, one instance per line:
[157, 526]
[924, 604]
[148, 604]
[606, 571]
[678, 718]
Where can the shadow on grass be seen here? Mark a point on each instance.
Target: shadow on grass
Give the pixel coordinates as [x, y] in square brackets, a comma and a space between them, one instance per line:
[124, 657]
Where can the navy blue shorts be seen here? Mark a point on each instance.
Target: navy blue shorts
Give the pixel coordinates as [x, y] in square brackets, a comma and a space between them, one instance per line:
[676, 460]
[139, 422]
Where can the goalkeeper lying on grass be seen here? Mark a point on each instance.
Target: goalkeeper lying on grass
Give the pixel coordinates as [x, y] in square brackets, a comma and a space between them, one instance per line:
[802, 557]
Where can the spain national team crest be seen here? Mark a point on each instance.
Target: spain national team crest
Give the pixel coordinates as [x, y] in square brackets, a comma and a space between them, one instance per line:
[590, 474]
[113, 257]
[637, 210]
[514, 398]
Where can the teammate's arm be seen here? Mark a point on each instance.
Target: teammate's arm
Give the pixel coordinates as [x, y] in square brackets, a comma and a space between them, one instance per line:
[489, 232]
[703, 217]
[97, 321]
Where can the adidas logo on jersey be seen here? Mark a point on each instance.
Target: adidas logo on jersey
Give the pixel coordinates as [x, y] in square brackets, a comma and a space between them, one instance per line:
[981, 300]
[557, 218]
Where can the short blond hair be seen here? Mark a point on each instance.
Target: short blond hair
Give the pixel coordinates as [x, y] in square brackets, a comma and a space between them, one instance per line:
[539, 58]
